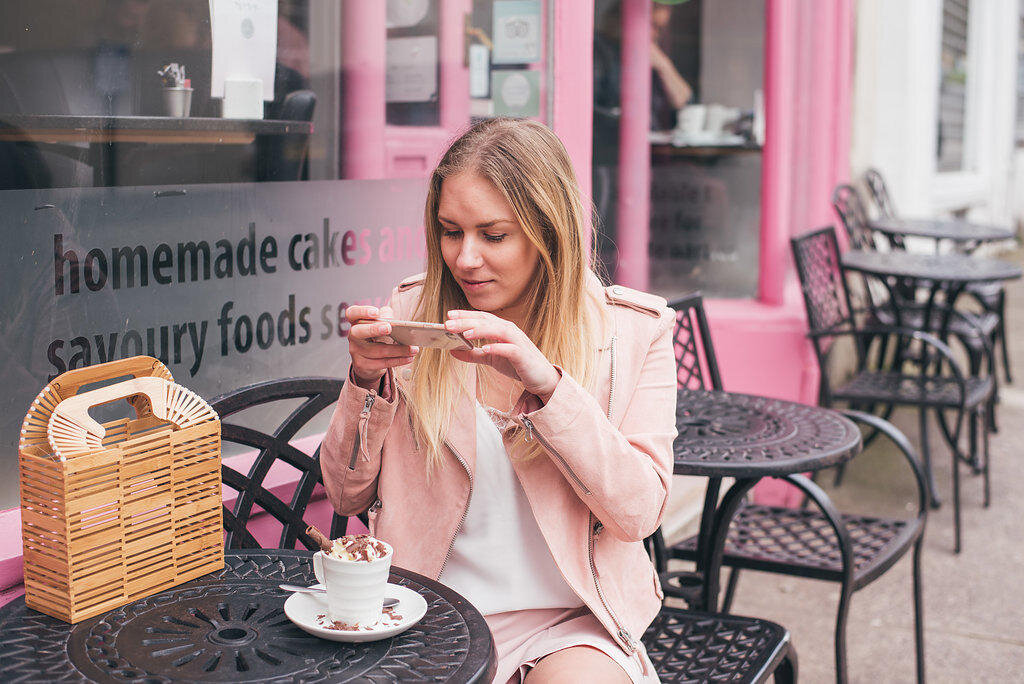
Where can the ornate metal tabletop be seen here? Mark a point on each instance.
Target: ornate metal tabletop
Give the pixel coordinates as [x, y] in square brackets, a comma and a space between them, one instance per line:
[950, 268]
[231, 626]
[941, 229]
[724, 434]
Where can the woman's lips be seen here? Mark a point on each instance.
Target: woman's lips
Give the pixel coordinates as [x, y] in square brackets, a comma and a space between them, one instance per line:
[474, 285]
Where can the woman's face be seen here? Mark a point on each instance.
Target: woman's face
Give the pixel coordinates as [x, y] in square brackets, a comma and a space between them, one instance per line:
[484, 246]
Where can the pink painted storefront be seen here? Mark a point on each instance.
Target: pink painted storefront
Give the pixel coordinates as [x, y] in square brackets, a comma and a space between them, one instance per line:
[805, 71]
[807, 79]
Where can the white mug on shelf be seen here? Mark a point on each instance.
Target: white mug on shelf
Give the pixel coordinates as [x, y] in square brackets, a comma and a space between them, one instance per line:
[717, 117]
[355, 589]
[690, 119]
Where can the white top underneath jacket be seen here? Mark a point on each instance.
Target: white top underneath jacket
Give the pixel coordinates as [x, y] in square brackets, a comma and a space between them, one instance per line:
[500, 561]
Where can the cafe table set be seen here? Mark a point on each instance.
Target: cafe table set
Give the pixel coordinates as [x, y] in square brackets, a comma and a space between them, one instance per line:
[126, 577]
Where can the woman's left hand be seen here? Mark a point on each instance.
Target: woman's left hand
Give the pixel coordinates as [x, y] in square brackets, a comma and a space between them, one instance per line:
[509, 350]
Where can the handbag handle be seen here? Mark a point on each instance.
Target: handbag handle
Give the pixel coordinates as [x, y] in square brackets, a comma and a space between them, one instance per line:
[68, 383]
[76, 408]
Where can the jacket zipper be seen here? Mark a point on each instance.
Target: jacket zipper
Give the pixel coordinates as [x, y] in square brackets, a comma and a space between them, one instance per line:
[364, 416]
[465, 511]
[594, 529]
[530, 434]
[611, 382]
[623, 633]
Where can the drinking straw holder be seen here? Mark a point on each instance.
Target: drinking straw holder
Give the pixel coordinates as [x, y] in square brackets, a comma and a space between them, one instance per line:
[116, 511]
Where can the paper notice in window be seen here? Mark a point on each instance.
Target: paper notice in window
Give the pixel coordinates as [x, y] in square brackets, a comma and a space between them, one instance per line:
[517, 31]
[244, 35]
[412, 69]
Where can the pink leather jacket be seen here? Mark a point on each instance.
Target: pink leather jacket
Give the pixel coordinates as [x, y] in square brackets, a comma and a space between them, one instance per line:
[602, 490]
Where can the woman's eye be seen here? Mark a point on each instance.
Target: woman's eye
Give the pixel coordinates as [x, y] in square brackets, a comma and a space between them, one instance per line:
[495, 238]
[451, 233]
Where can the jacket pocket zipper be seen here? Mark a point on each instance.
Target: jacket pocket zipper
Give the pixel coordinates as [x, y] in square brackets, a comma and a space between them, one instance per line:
[623, 633]
[465, 511]
[364, 417]
[531, 433]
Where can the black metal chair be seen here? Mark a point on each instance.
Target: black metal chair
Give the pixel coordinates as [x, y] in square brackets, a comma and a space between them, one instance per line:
[977, 332]
[894, 366]
[854, 215]
[688, 646]
[287, 504]
[991, 296]
[880, 193]
[286, 157]
[821, 543]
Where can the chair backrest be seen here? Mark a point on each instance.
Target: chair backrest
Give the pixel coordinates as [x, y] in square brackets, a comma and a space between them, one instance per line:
[299, 400]
[286, 157]
[298, 105]
[880, 193]
[826, 298]
[696, 365]
[850, 207]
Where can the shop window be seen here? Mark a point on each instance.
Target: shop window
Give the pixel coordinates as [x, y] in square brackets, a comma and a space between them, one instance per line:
[177, 248]
[706, 132]
[953, 78]
[413, 71]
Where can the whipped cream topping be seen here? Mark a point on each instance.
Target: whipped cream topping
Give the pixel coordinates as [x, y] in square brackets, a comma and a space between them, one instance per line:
[358, 547]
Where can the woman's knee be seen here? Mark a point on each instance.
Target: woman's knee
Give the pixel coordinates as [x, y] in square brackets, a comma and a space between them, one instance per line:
[580, 664]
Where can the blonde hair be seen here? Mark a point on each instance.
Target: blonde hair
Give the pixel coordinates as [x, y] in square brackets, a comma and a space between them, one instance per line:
[530, 167]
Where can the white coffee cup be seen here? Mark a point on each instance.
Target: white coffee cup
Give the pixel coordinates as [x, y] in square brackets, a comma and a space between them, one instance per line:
[717, 117]
[690, 119]
[355, 589]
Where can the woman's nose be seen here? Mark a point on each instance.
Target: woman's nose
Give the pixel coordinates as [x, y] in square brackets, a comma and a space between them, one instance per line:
[469, 255]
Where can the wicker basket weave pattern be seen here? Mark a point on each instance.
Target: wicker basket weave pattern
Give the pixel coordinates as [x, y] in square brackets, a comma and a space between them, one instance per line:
[114, 512]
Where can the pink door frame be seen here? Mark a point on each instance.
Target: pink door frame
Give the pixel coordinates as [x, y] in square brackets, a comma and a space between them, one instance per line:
[807, 82]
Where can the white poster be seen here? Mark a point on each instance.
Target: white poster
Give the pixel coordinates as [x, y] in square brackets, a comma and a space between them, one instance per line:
[517, 31]
[244, 34]
[411, 69]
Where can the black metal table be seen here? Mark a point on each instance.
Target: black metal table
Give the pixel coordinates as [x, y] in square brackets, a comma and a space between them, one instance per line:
[945, 274]
[724, 434]
[231, 626]
[941, 229]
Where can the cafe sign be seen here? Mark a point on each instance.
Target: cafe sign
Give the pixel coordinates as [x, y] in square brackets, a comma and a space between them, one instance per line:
[226, 284]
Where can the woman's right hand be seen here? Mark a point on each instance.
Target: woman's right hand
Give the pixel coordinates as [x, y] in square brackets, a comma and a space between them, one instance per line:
[370, 360]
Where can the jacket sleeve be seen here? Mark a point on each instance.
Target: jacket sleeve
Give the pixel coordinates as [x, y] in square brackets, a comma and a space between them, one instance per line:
[350, 455]
[621, 473]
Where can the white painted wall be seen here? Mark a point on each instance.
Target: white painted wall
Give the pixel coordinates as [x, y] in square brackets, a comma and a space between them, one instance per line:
[896, 85]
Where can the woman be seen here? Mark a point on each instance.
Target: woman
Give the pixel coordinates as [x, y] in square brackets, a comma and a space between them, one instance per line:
[524, 473]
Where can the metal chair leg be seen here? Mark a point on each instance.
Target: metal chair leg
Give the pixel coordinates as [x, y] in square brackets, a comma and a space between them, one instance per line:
[926, 453]
[840, 637]
[918, 612]
[786, 672]
[956, 490]
[986, 470]
[1001, 330]
[730, 589]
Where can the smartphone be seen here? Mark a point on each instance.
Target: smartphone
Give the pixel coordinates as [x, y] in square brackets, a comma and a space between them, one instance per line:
[418, 334]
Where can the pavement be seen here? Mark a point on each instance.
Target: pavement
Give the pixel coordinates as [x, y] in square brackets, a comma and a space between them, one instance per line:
[973, 603]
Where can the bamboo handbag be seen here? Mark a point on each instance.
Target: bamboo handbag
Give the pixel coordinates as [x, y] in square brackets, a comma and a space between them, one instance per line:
[114, 512]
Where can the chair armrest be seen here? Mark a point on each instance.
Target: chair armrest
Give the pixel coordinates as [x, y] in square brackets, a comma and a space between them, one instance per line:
[903, 444]
[835, 520]
[875, 330]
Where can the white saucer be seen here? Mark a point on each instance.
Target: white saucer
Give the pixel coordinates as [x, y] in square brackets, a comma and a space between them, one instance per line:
[305, 611]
